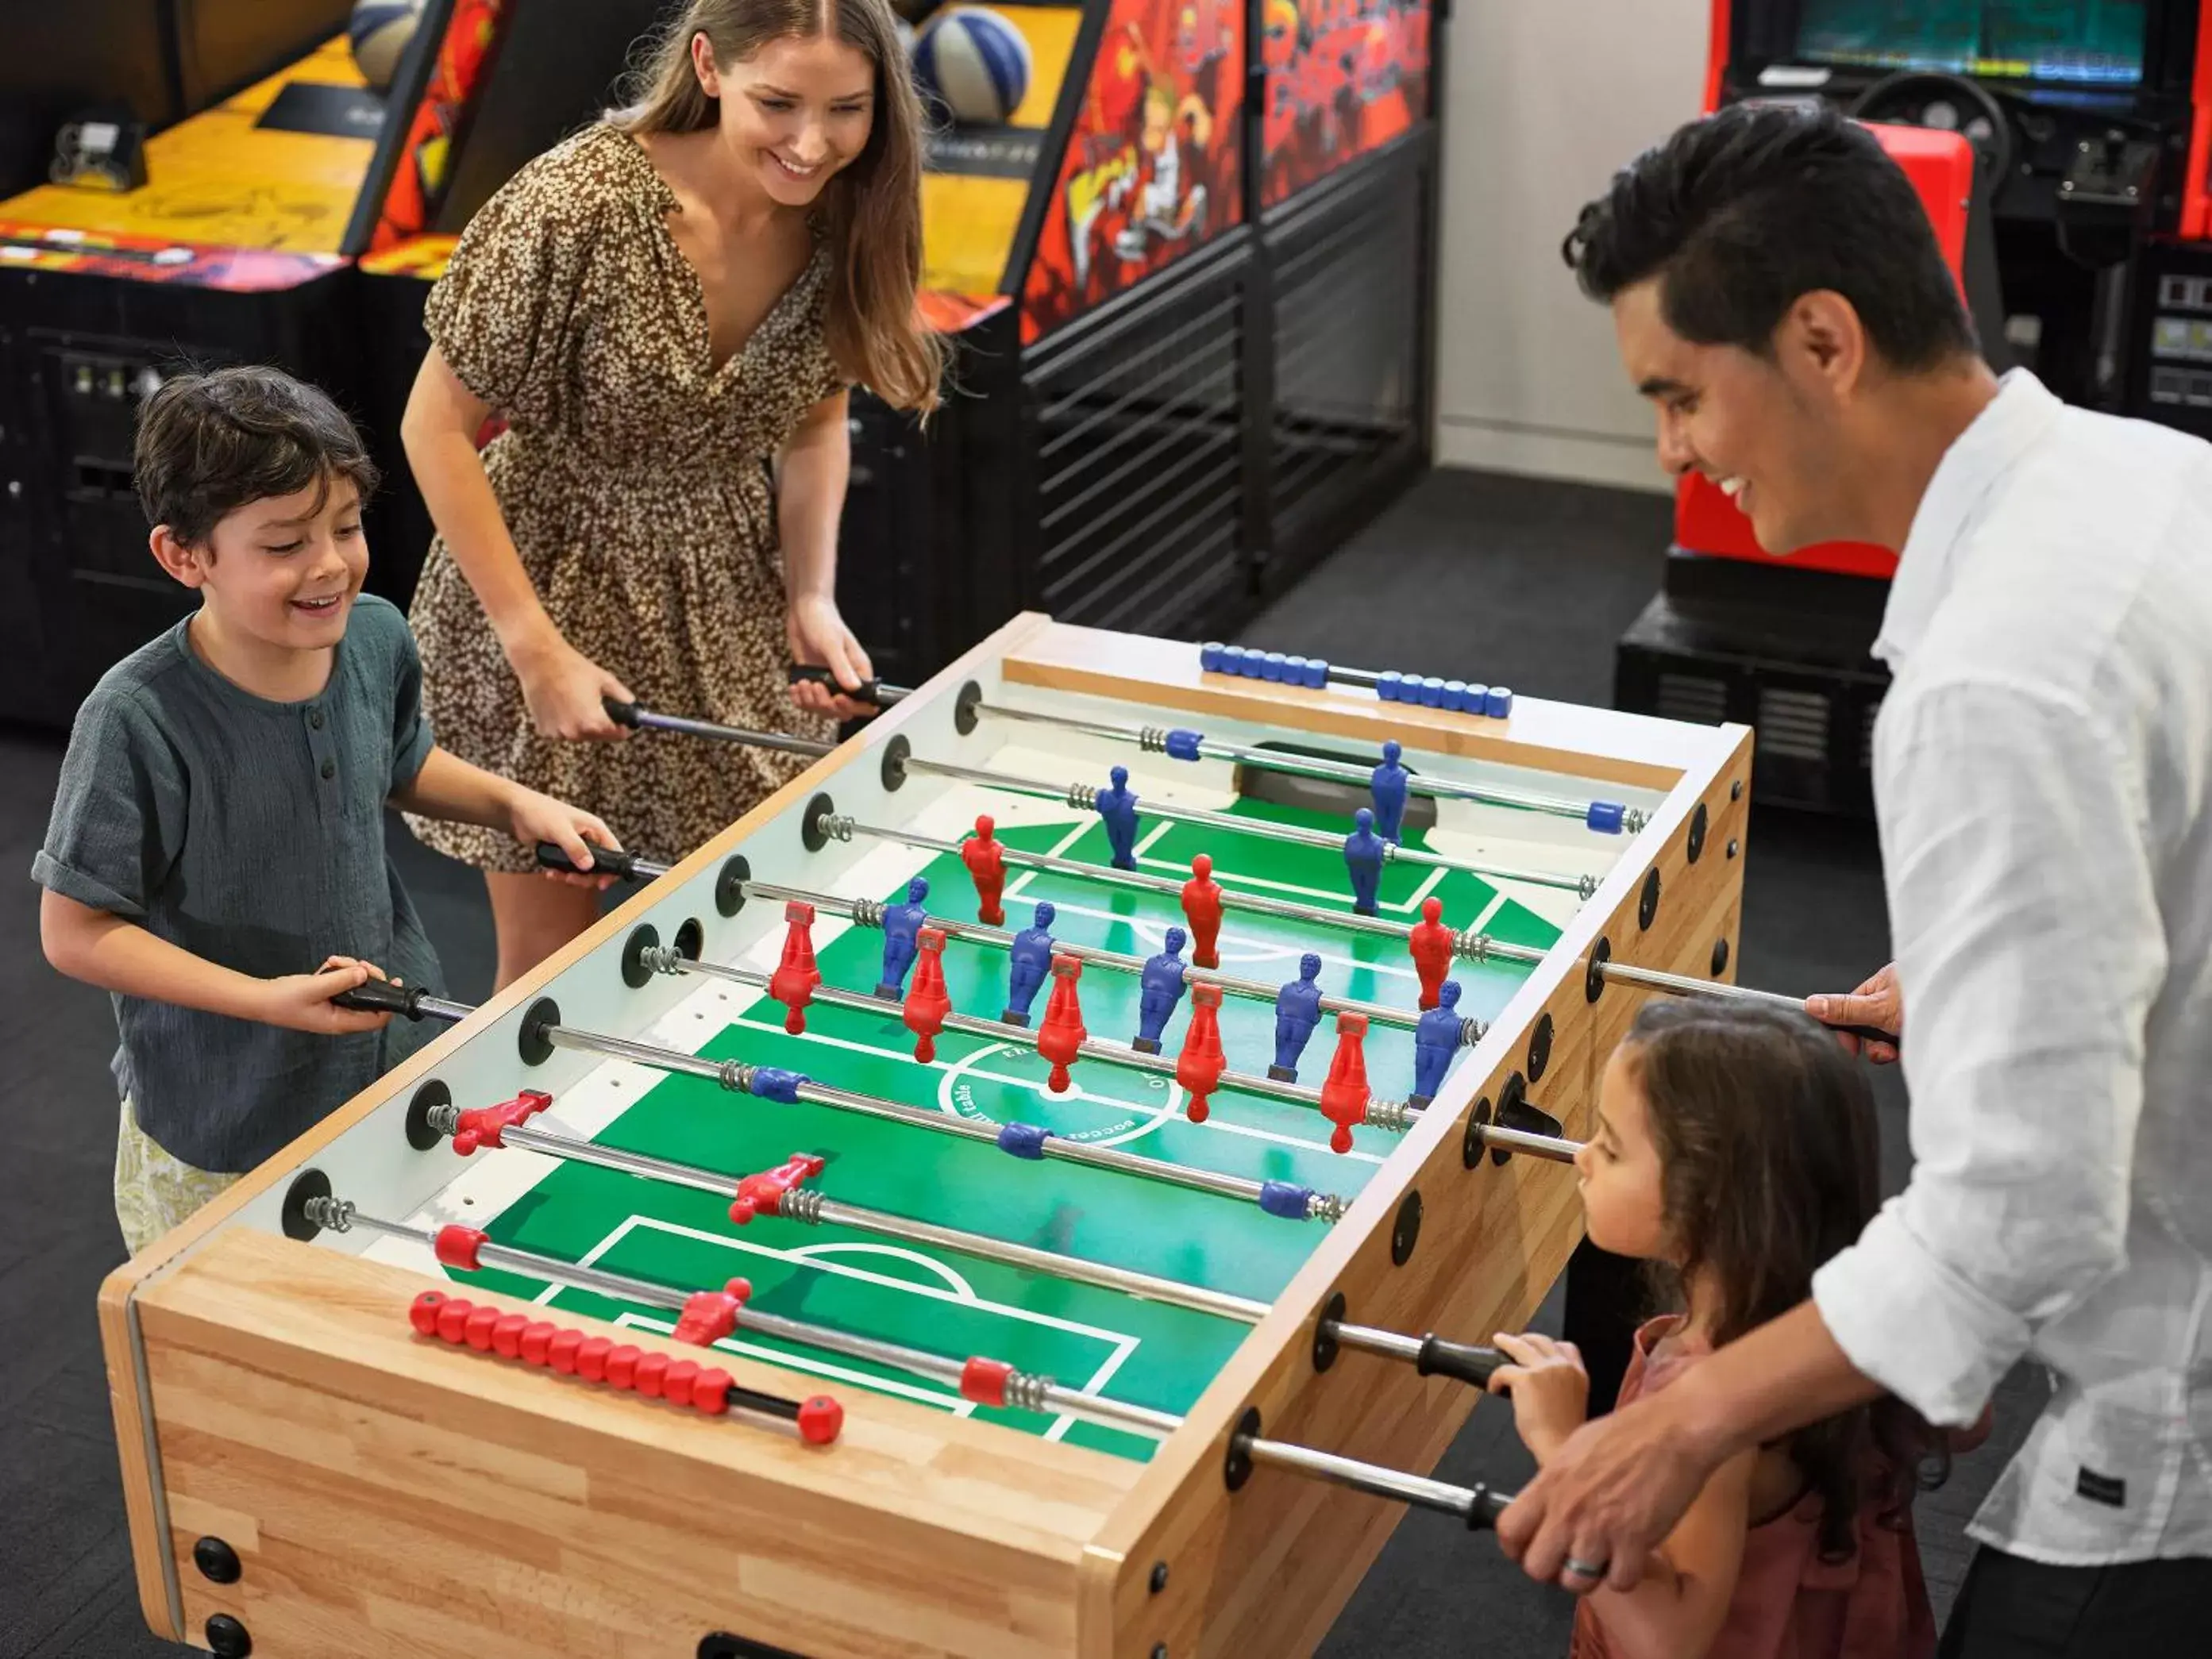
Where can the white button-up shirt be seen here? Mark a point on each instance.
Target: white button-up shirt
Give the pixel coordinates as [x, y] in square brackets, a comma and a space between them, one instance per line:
[2043, 776]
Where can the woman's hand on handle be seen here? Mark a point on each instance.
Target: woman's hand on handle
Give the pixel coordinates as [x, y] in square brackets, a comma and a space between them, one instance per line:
[566, 691]
[818, 638]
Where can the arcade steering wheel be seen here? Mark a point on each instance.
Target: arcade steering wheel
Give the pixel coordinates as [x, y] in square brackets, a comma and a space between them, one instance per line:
[1946, 103]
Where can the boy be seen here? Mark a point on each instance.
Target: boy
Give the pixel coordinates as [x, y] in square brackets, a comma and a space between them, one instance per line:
[219, 828]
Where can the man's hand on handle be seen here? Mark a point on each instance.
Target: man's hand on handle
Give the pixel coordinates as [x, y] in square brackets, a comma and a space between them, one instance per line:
[1877, 1004]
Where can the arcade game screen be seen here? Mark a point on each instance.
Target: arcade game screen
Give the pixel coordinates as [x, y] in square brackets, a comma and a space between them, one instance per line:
[2086, 42]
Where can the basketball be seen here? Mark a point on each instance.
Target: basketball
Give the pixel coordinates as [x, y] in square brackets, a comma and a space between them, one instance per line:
[379, 32]
[973, 62]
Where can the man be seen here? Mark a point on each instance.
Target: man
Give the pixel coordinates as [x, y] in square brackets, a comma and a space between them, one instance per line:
[2043, 775]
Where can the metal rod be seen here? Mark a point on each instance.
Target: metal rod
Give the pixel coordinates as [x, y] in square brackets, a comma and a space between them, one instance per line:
[776, 740]
[1082, 797]
[1477, 1505]
[1145, 1287]
[868, 913]
[815, 1207]
[729, 1074]
[1388, 1114]
[1153, 740]
[1688, 985]
[1035, 1393]
[1550, 1147]
[1470, 945]
[1391, 1345]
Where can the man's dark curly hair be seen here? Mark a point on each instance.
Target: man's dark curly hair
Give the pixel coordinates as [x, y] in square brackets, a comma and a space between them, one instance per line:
[1740, 214]
[211, 443]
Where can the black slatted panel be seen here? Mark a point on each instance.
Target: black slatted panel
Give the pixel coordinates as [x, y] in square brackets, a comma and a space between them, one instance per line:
[1347, 305]
[1139, 459]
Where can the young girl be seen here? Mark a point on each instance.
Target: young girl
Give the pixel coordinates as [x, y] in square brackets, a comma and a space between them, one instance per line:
[1736, 1151]
[666, 311]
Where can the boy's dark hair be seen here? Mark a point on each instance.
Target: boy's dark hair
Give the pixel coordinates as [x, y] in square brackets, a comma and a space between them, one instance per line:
[210, 443]
[1740, 214]
[1770, 1165]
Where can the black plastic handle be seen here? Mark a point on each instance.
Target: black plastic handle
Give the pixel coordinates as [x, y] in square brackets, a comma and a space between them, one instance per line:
[1462, 1361]
[606, 861]
[377, 996]
[620, 712]
[870, 691]
[1871, 1033]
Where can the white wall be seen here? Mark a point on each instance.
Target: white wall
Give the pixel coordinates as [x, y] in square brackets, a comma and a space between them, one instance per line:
[1545, 100]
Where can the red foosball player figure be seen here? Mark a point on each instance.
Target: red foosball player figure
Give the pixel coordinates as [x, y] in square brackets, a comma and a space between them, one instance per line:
[1200, 1066]
[1201, 908]
[1344, 1096]
[795, 977]
[986, 866]
[929, 1003]
[1430, 942]
[1062, 1036]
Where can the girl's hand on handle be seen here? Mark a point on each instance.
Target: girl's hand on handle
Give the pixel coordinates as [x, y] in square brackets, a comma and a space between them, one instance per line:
[817, 637]
[1549, 1388]
[565, 691]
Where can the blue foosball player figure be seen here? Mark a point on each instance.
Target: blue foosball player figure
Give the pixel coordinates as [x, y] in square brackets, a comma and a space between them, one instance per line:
[1297, 1010]
[1029, 963]
[1363, 852]
[1162, 990]
[1388, 784]
[1436, 1040]
[1118, 807]
[901, 923]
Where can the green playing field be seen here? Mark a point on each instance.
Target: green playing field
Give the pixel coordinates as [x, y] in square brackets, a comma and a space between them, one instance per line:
[1085, 1337]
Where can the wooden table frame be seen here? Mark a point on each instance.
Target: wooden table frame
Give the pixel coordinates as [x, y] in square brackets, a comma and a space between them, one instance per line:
[384, 1493]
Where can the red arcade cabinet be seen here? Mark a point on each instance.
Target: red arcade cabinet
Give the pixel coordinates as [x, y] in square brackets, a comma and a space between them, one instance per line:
[2061, 149]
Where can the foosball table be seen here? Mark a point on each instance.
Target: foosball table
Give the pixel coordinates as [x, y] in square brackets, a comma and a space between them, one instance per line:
[1037, 1185]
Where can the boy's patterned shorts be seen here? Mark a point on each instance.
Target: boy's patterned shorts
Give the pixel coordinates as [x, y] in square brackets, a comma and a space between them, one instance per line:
[155, 1191]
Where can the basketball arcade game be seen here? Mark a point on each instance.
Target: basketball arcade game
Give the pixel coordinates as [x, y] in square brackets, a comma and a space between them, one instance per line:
[1196, 355]
[775, 1433]
[2063, 151]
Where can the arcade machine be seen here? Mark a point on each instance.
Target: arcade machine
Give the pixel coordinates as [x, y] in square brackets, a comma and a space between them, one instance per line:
[2085, 260]
[223, 237]
[1189, 286]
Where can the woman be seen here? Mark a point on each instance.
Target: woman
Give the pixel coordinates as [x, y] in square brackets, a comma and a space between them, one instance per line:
[658, 310]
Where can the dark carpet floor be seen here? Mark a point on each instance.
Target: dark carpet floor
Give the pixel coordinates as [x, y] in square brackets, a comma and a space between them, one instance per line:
[1510, 581]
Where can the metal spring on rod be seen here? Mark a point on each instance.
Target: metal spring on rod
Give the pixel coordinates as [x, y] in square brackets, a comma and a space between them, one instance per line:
[445, 1119]
[661, 959]
[1154, 739]
[333, 1213]
[1083, 797]
[1027, 1391]
[1471, 946]
[801, 1204]
[1325, 1207]
[737, 1077]
[867, 912]
[837, 826]
[1471, 1032]
[1393, 1114]
[1586, 886]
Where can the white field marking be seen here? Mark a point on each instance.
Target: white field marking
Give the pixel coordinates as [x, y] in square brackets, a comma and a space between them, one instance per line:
[1496, 903]
[1035, 1085]
[1099, 1379]
[1152, 933]
[959, 1286]
[843, 1270]
[790, 1361]
[969, 1065]
[1020, 884]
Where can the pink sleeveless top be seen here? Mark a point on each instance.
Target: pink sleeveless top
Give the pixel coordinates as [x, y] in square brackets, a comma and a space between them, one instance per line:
[1791, 1604]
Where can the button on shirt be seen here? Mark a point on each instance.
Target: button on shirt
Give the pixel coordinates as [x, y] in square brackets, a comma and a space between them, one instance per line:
[250, 833]
[2043, 776]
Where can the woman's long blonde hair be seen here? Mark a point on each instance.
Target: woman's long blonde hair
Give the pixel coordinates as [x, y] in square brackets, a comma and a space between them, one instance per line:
[871, 211]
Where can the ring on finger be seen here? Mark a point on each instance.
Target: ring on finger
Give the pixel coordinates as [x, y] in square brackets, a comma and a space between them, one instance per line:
[1584, 1569]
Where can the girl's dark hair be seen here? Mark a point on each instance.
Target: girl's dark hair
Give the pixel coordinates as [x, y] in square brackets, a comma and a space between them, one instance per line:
[209, 444]
[1742, 213]
[1769, 1162]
